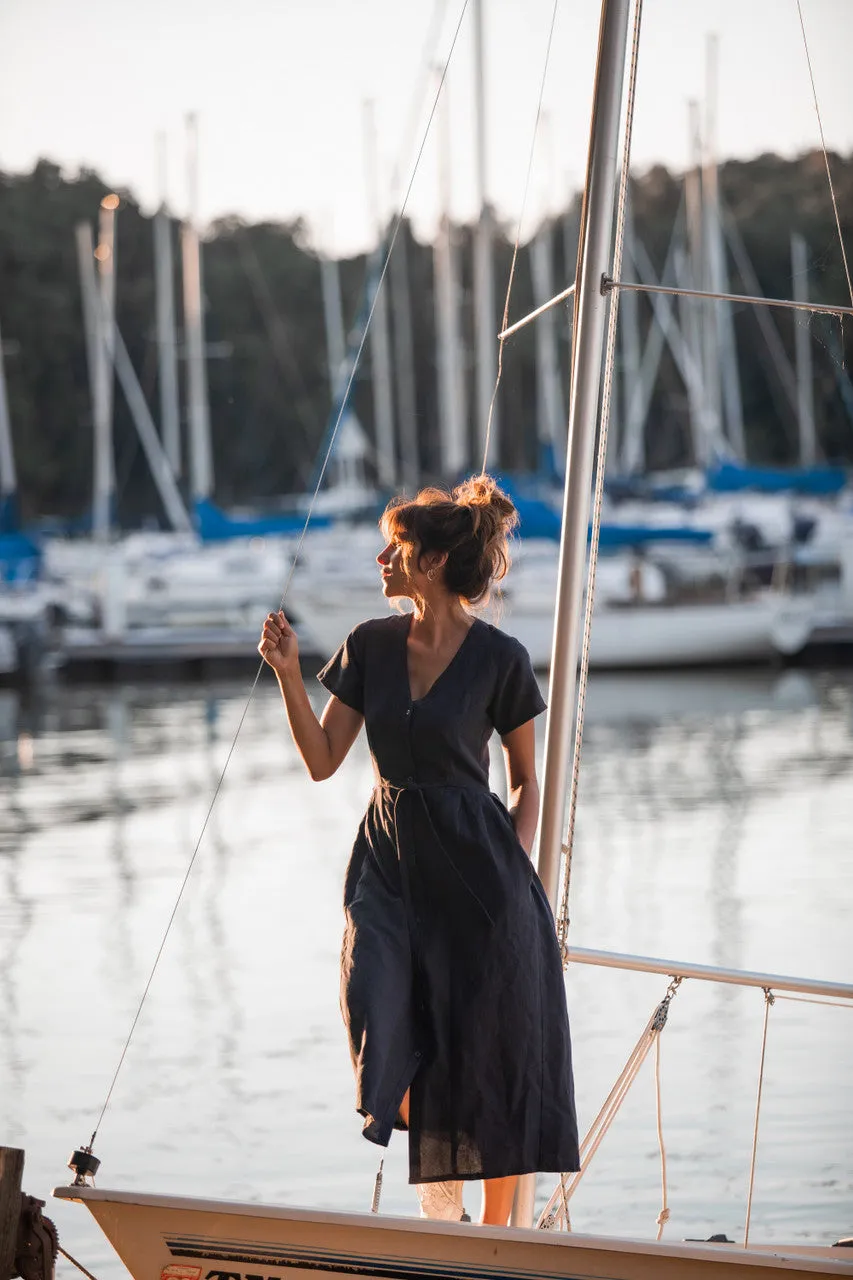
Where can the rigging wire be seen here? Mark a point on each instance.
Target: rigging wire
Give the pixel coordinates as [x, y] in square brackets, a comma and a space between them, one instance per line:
[503, 334]
[607, 386]
[295, 558]
[825, 154]
[769, 1001]
[556, 1208]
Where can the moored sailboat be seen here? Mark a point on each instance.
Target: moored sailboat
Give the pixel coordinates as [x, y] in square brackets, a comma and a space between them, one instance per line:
[208, 1240]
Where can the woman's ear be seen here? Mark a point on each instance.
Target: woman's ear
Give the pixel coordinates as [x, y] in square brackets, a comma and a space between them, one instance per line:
[431, 561]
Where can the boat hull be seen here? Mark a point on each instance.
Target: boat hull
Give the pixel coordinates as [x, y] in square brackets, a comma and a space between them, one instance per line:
[178, 1238]
[624, 637]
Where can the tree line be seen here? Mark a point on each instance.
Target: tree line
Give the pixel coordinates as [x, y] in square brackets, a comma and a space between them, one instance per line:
[267, 369]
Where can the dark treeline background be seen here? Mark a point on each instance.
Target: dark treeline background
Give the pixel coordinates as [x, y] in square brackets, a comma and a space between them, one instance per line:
[269, 396]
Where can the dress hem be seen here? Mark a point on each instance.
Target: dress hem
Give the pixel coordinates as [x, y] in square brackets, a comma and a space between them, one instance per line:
[503, 1173]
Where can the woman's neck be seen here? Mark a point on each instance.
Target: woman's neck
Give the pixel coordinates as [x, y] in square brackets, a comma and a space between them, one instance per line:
[438, 618]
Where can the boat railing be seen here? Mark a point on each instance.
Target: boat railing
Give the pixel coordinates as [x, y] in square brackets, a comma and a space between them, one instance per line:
[711, 973]
[555, 1214]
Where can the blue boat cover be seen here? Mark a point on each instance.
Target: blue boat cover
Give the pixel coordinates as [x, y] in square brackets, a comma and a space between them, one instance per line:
[734, 477]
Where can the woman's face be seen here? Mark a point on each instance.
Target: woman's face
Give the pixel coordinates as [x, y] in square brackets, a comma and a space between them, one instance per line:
[401, 575]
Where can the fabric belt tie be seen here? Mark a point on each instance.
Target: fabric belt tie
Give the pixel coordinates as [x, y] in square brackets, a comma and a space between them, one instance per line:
[396, 790]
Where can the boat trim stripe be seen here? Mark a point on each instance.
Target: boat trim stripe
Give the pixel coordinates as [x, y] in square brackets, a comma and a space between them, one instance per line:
[316, 1259]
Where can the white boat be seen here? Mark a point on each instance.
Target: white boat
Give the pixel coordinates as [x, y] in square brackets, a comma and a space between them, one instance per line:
[634, 627]
[178, 1238]
[187, 1239]
[168, 594]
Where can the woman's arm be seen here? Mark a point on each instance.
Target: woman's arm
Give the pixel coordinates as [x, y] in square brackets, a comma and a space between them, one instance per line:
[324, 743]
[520, 757]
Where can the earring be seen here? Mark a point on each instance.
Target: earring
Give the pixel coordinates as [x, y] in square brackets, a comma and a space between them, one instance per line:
[431, 575]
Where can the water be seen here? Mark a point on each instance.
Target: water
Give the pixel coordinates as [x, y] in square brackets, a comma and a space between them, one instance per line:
[713, 826]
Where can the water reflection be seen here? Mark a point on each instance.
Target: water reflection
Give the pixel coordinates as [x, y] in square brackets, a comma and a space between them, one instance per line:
[713, 825]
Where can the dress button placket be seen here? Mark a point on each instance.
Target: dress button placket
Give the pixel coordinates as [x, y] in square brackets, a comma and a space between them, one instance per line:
[409, 710]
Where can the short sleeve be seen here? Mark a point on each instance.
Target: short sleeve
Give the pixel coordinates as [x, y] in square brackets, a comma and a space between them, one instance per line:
[343, 676]
[517, 698]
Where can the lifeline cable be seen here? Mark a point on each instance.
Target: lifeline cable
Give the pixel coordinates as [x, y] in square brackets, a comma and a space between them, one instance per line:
[294, 561]
[503, 334]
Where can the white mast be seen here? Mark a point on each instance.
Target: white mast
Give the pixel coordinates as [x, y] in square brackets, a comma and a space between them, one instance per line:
[404, 364]
[347, 461]
[587, 353]
[690, 275]
[333, 316]
[101, 366]
[198, 414]
[161, 472]
[8, 478]
[380, 350]
[167, 361]
[633, 452]
[484, 278]
[803, 355]
[550, 411]
[722, 374]
[451, 374]
[588, 340]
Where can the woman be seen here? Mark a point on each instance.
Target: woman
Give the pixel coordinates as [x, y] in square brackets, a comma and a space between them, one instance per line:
[451, 981]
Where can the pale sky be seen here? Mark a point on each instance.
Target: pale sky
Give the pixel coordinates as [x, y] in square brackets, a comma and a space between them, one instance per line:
[279, 87]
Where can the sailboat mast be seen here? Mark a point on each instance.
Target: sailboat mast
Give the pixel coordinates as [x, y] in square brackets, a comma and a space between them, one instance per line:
[803, 355]
[201, 461]
[550, 411]
[451, 375]
[632, 455]
[333, 316]
[8, 479]
[170, 425]
[104, 476]
[690, 276]
[484, 277]
[404, 365]
[380, 349]
[594, 261]
[725, 371]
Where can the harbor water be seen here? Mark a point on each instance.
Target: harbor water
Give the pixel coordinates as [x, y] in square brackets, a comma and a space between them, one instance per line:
[714, 826]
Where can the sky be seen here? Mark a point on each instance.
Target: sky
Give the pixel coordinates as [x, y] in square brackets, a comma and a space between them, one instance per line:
[279, 87]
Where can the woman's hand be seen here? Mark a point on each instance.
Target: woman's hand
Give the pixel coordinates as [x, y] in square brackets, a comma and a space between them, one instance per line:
[279, 647]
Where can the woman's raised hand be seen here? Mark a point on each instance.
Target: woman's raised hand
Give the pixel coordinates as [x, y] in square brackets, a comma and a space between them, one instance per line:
[278, 646]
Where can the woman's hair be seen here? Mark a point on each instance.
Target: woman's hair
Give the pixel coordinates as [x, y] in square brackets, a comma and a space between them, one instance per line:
[471, 524]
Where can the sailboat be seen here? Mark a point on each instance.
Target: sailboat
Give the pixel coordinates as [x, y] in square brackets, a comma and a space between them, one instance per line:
[178, 1238]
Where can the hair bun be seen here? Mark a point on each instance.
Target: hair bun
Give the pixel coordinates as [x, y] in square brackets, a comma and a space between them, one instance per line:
[485, 499]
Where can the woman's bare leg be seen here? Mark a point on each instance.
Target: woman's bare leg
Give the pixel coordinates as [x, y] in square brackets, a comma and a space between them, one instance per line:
[498, 1195]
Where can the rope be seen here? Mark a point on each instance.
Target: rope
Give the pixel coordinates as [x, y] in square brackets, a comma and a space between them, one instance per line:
[74, 1262]
[768, 1001]
[663, 1216]
[564, 1200]
[503, 335]
[583, 676]
[835, 1004]
[607, 1114]
[825, 155]
[294, 561]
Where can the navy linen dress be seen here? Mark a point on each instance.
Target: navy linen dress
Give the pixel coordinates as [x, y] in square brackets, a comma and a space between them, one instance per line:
[451, 980]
